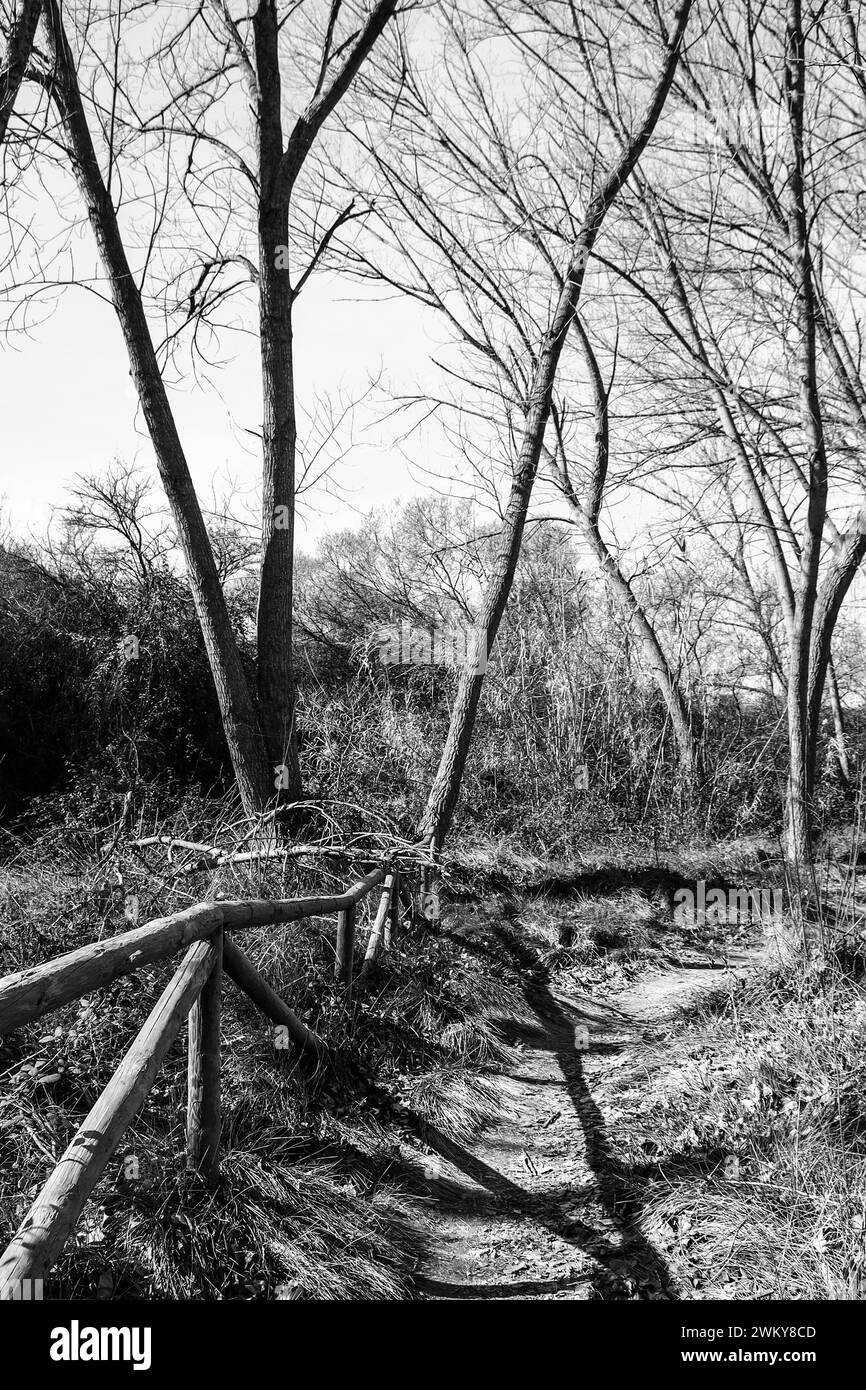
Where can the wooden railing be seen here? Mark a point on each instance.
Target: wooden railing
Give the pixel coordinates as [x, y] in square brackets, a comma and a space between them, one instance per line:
[207, 932]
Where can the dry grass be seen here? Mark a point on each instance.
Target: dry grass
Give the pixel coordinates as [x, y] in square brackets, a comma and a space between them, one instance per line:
[320, 1173]
[746, 1138]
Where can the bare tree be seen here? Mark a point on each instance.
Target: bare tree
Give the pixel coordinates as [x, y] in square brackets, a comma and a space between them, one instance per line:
[280, 161]
[117, 503]
[764, 228]
[458, 146]
[240, 720]
[259, 729]
[586, 512]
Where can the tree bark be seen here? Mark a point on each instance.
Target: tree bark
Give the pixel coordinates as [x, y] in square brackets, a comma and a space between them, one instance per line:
[801, 732]
[18, 49]
[276, 687]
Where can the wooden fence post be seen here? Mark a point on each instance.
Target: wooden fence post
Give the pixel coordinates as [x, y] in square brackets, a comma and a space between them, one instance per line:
[379, 933]
[430, 895]
[345, 948]
[203, 1119]
[392, 925]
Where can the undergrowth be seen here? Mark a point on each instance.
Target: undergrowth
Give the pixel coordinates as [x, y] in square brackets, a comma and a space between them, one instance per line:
[740, 1129]
[745, 1135]
[321, 1172]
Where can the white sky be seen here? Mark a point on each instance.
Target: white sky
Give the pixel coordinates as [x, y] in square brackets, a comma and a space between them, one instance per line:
[68, 405]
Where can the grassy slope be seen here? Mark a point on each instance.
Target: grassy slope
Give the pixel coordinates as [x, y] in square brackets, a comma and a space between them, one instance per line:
[323, 1175]
[745, 1127]
[320, 1172]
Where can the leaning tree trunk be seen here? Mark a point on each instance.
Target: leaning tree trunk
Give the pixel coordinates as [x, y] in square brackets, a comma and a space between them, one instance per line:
[831, 595]
[586, 515]
[18, 49]
[653, 654]
[240, 722]
[445, 790]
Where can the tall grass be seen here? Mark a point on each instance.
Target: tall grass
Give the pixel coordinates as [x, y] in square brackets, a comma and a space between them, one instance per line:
[745, 1135]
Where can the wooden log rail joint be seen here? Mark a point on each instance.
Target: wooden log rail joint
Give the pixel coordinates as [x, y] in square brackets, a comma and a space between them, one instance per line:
[205, 933]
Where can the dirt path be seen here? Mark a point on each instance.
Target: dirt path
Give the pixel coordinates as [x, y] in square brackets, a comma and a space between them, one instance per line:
[538, 1208]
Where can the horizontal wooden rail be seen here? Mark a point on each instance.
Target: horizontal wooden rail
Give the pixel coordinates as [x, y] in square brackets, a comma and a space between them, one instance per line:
[203, 929]
[31, 993]
[41, 1235]
[360, 889]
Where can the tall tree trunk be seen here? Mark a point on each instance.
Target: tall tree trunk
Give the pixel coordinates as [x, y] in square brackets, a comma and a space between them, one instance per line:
[18, 49]
[801, 733]
[276, 687]
[278, 171]
[240, 722]
[801, 779]
[445, 790]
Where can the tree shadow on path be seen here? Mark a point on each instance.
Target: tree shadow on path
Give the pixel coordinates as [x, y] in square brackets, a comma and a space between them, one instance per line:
[627, 1265]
